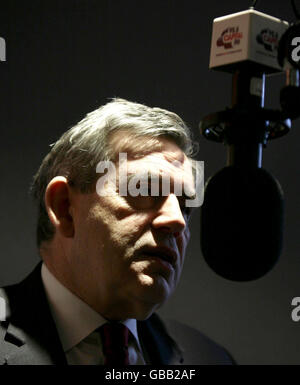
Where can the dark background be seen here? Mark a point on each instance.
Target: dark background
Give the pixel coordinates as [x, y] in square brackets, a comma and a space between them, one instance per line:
[66, 58]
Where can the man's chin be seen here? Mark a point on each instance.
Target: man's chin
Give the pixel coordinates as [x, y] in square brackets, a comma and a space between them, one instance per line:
[154, 289]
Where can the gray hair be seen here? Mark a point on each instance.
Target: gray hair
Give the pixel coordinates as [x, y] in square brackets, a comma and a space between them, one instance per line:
[78, 151]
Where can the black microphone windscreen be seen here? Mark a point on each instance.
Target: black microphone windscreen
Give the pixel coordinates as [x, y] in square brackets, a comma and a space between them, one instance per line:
[242, 223]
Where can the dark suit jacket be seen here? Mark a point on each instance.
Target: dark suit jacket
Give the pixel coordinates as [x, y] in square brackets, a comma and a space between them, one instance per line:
[29, 335]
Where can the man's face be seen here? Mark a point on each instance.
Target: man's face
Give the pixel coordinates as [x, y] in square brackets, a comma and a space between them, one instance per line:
[128, 251]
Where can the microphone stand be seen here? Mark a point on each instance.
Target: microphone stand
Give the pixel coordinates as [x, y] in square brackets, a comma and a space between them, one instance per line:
[242, 215]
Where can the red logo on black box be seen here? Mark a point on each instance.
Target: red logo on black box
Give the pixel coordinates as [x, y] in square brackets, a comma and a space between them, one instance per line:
[230, 37]
[268, 38]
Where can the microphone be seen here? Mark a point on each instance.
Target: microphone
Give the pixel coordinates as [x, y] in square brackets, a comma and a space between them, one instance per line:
[243, 210]
[242, 223]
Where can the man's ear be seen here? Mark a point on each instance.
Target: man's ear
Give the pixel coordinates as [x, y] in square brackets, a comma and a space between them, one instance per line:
[58, 205]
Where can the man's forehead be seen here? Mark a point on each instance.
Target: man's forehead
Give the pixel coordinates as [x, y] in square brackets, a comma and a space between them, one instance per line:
[158, 156]
[162, 165]
[166, 168]
[158, 162]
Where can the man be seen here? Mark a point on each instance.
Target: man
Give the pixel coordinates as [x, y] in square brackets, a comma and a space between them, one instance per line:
[111, 252]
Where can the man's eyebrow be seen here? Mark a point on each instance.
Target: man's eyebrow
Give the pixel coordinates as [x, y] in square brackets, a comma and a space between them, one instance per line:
[142, 176]
[147, 176]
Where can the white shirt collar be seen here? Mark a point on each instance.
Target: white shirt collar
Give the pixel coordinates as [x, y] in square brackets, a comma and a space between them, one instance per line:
[74, 319]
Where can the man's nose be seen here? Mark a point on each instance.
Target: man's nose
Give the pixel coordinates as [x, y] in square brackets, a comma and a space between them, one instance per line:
[169, 218]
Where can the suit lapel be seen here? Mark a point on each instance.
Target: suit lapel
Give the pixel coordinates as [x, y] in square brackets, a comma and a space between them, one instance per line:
[158, 346]
[26, 351]
[31, 330]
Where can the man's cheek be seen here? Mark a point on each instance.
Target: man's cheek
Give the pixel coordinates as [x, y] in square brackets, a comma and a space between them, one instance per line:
[187, 234]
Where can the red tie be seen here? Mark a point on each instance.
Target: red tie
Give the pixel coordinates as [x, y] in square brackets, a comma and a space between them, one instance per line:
[114, 337]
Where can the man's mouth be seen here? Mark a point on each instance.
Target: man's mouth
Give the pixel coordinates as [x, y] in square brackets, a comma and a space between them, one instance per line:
[161, 252]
